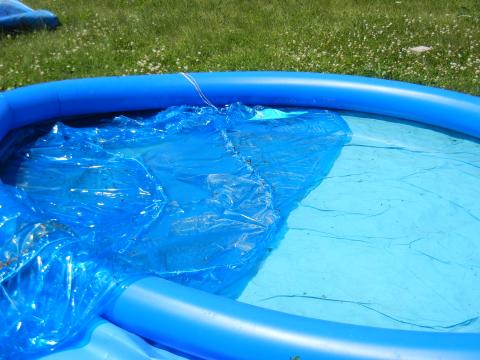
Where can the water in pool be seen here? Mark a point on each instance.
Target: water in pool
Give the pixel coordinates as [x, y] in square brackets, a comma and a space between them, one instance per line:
[388, 239]
[357, 219]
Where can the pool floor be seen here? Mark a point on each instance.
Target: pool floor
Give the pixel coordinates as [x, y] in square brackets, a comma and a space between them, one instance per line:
[388, 239]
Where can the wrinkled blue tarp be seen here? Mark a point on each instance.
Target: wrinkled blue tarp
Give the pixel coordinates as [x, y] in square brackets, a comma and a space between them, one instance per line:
[195, 195]
[16, 15]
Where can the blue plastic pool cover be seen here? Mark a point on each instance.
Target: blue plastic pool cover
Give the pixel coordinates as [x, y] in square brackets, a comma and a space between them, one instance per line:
[195, 195]
[16, 15]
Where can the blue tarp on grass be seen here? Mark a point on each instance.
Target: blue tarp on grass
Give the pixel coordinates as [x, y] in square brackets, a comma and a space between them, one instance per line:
[16, 15]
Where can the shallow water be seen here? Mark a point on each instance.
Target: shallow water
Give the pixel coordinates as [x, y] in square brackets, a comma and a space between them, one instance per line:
[388, 239]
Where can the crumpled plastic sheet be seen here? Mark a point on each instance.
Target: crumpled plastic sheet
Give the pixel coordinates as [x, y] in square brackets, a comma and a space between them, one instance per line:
[15, 15]
[195, 195]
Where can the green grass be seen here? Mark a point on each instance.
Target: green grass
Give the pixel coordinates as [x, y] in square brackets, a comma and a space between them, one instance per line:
[363, 37]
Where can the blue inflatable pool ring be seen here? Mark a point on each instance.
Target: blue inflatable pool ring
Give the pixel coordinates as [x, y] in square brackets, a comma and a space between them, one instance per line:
[15, 15]
[198, 324]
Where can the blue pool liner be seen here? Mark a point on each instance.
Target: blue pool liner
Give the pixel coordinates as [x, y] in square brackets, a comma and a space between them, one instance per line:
[14, 15]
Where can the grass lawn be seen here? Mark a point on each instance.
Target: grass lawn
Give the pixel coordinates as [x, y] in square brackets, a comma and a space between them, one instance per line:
[363, 37]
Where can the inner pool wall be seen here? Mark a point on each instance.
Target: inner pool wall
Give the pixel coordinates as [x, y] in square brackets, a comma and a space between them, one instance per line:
[212, 327]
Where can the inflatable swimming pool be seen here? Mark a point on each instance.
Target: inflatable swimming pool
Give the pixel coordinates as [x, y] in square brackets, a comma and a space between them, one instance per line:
[203, 325]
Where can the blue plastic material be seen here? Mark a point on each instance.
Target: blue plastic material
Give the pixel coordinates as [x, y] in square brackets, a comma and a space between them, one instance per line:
[15, 15]
[104, 340]
[204, 219]
[218, 328]
[243, 328]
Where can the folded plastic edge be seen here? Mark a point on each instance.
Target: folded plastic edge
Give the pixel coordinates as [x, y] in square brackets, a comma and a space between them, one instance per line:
[33, 19]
